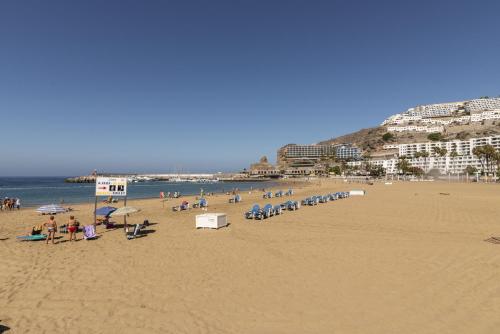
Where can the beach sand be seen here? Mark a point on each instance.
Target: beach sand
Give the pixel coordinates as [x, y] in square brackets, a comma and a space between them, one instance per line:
[402, 259]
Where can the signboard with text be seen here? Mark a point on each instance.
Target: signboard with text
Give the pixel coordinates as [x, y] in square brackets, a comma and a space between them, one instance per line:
[111, 186]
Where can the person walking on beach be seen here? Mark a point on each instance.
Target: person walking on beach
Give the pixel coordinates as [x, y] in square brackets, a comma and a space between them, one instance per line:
[72, 226]
[51, 226]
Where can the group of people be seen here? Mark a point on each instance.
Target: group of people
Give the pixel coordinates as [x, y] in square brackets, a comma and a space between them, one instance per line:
[10, 204]
[51, 226]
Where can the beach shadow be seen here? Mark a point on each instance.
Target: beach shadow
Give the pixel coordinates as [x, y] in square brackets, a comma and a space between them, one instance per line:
[3, 329]
[3, 239]
[493, 240]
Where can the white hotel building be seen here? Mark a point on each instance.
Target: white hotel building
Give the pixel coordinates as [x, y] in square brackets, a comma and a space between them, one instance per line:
[446, 164]
[477, 109]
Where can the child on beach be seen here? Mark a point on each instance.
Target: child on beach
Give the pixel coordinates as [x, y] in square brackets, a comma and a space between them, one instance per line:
[72, 226]
[51, 226]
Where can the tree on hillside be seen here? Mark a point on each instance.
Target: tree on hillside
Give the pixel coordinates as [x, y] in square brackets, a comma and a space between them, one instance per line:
[387, 136]
[435, 136]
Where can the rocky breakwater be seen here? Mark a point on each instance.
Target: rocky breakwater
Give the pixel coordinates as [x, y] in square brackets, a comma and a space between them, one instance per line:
[81, 179]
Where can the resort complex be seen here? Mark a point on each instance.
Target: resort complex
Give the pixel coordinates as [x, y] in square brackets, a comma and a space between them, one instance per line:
[295, 159]
[434, 117]
[439, 138]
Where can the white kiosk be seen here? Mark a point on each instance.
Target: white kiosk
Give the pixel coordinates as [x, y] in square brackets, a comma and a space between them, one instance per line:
[211, 220]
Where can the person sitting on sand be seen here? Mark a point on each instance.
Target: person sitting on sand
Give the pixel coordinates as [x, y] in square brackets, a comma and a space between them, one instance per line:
[51, 226]
[36, 230]
[72, 226]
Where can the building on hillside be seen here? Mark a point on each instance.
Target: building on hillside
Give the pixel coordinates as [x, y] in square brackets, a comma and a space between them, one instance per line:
[347, 152]
[444, 164]
[264, 168]
[453, 109]
[308, 159]
[482, 104]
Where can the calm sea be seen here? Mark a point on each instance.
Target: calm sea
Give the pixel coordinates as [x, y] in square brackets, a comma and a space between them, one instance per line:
[47, 190]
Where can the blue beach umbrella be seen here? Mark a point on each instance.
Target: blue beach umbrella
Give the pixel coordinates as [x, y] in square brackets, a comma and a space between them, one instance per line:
[105, 211]
[51, 209]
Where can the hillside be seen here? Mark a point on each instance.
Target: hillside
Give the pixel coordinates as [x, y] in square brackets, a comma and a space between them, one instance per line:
[370, 139]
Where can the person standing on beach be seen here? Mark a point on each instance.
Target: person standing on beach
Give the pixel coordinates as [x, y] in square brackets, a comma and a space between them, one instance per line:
[72, 226]
[51, 226]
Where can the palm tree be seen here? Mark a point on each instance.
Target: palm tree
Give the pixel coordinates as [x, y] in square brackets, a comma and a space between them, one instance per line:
[479, 153]
[403, 165]
[453, 156]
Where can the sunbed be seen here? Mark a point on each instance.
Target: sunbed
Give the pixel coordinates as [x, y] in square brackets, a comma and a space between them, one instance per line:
[254, 212]
[267, 211]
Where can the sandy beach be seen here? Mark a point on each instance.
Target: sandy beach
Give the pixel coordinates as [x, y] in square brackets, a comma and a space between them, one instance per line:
[405, 258]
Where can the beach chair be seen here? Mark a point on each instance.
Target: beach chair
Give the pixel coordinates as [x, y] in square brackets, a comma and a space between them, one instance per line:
[202, 203]
[323, 199]
[277, 210]
[292, 205]
[136, 232]
[235, 199]
[278, 194]
[89, 232]
[289, 192]
[254, 212]
[267, 211]
[268, 195]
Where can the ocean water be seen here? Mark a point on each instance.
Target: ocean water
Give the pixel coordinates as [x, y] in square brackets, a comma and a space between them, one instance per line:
[35, 191]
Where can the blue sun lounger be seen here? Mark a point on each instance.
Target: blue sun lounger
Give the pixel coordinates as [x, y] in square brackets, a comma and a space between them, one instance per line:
[267, 211]
[253, 213]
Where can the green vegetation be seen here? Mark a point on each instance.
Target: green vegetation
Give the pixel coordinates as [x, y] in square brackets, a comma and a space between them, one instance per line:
[435, 136]
[438, 151]
[387, 136]
[470, 170]
[488, 156]
[376, 171]
[335, 170]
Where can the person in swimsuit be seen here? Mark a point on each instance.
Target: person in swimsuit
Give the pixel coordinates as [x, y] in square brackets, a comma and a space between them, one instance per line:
[51, 226]
[72, 226]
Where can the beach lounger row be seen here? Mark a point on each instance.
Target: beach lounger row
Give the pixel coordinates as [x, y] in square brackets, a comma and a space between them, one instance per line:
[279, 193]
[314, 200]
[268, 210]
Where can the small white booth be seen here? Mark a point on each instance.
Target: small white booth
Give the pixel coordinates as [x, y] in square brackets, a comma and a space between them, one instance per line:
[357, 193]
[211, 220]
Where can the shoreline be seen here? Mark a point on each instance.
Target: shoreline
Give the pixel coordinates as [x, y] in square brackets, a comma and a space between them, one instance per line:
[278, 184]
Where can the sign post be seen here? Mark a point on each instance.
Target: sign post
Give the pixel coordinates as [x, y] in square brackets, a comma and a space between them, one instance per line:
[110, 187]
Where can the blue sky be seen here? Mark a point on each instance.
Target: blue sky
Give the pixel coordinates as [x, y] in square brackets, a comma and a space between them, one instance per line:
[163, 86]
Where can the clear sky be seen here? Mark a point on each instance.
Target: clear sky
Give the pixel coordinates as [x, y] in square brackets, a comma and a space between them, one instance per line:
[164, 86]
